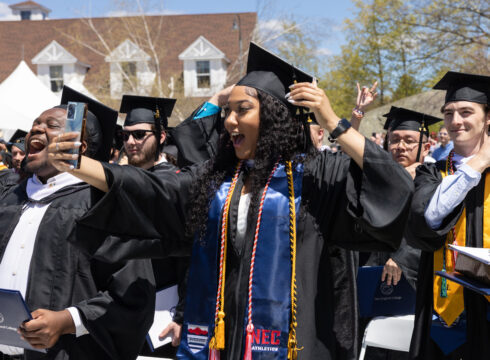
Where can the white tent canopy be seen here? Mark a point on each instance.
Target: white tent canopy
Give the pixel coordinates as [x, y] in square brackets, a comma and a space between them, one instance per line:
[23, 97]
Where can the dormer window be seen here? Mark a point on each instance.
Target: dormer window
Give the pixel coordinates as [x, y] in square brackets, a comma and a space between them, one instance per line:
[29, 10]
[56, 66]
[203, 74]
[25, 15]
[204, 68]
[131, 72]
[56, 77]
[128, 75]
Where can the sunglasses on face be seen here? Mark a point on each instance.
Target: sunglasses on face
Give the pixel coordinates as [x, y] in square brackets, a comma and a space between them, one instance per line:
[136, 134]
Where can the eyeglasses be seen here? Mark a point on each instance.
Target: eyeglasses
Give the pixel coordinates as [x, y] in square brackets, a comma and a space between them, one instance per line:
[409, 144]
[137, 134]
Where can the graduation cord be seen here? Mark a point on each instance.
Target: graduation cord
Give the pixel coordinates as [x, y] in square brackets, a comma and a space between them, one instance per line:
[450, 171]
[292, 342]
[217, 342]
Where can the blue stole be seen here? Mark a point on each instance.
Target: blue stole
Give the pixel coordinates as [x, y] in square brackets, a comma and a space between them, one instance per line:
[271, 287]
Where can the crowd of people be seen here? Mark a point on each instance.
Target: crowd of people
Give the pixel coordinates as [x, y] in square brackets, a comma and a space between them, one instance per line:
[261, 225]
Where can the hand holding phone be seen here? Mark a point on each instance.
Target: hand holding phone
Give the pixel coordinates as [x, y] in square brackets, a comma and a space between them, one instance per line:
[75, 122]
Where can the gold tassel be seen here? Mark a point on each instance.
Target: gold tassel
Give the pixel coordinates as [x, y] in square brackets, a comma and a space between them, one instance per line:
[292, 348]
[220, 333]
[212, 343]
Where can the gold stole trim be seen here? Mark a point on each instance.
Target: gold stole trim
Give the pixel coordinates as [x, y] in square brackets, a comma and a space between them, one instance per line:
[452, 305]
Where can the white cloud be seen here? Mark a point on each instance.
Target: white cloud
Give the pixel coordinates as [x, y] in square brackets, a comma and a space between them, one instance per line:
[270, 25]
[323, 51]
[120, 13]
[6, 12]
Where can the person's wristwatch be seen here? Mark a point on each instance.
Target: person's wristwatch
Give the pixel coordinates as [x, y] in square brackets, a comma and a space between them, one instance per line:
[342, 127]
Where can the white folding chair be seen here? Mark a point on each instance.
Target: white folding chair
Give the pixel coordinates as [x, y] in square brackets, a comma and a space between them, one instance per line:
[394, 333]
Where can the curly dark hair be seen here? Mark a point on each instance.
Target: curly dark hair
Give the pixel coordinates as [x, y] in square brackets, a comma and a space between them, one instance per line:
[281, 136]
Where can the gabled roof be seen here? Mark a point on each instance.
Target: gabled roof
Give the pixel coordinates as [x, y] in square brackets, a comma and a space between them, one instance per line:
[202, 48]
[127, 51]
[55, 54]
[29, 5]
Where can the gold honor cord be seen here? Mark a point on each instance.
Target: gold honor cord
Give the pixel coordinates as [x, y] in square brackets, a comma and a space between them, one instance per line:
[292, 342]
[217, 342]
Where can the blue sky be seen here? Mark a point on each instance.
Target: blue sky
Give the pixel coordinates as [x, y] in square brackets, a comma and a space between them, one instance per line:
[328, 12]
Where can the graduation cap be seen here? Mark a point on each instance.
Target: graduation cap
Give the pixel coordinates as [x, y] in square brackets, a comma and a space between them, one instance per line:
[18, 140]
[271, 74]
[147, 110]
[100, 125]
[465, 87]
[389, 117]
[405, 119]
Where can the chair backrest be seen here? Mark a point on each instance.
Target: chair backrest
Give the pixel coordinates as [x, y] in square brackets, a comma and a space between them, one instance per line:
[393, 333]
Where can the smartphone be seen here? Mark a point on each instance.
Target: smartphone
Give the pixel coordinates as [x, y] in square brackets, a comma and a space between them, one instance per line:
[76, 119]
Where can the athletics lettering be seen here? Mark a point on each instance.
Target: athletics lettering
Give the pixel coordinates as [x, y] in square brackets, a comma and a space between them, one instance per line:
[266, 337]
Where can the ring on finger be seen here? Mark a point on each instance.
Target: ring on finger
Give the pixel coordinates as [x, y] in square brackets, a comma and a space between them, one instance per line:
[57, 146]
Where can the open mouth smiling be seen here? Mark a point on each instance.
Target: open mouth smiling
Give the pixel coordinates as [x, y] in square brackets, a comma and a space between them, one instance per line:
[237, 138]
[36, 146]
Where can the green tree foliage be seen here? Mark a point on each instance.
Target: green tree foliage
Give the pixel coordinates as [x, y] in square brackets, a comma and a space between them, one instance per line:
[407, 46]
[298, 47]
[407, 86]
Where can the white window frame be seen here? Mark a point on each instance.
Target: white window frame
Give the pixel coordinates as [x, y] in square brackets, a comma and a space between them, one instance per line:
[53, 80]
[200, 75]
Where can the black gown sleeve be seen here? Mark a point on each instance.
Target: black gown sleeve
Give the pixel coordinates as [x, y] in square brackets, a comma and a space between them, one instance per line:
[407, 258]
[121, 313]
[363, 210]
[197, 139]
[419, 234]
[144, 212]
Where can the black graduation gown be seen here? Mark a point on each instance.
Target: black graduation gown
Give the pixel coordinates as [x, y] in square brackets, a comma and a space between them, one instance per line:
[423, 237]
[8, 178]
[341, 205]
[115, 301]
[197, 139]
[406, 257]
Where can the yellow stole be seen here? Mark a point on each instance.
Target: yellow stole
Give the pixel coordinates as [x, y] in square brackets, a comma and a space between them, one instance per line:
[448, 297]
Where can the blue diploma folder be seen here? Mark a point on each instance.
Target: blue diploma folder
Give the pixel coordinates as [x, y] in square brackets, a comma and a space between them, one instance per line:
[376, 298]
[471, 284]
[13, 312]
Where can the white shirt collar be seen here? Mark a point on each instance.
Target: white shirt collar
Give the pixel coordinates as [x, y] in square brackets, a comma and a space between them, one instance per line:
[459, 159]
[36, 190]
[163, 159]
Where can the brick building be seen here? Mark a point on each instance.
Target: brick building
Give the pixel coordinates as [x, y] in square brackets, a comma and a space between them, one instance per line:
[184, 56]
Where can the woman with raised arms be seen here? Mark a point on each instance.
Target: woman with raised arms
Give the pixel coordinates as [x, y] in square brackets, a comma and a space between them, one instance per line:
[259, 218]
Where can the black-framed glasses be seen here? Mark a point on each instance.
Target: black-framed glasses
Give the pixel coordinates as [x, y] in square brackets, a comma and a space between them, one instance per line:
[137, 134]
[409, 143]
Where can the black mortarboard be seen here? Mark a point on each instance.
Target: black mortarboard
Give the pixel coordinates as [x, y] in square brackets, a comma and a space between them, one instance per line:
[465, 87]
[145, 109]
[405, 119]
[100, 125]
[271, 74]
[389, 117]
[18, 140]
